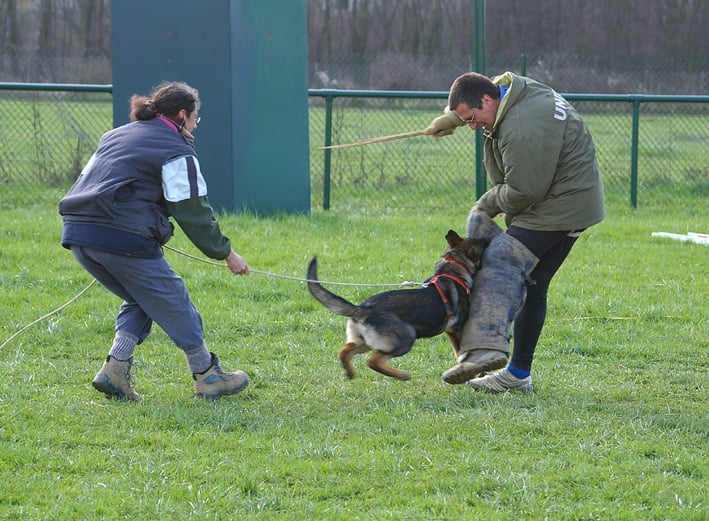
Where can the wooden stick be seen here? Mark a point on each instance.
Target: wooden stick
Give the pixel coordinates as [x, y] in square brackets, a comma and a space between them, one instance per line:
[376, 140]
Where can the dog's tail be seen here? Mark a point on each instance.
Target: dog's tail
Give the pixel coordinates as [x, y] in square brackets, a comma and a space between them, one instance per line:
[325, 297]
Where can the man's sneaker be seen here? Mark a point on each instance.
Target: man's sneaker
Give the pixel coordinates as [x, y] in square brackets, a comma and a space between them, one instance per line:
[472, 363]
[215, 383]
[115, 380]
[500, 382]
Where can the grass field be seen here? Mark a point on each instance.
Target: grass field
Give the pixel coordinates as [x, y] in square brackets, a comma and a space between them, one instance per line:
[617, 428]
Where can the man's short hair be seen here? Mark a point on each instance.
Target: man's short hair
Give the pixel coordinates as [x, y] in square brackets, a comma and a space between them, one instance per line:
[470, 88]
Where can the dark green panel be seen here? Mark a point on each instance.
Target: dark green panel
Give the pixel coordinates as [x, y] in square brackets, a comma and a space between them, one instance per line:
[248, 60]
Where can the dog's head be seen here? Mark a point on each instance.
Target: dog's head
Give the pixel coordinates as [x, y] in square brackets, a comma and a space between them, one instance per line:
[464, 251]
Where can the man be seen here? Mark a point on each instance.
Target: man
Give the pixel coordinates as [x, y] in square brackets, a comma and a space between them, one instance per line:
[541, 160]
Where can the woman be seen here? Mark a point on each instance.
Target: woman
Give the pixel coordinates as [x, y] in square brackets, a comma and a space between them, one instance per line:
[116, 219]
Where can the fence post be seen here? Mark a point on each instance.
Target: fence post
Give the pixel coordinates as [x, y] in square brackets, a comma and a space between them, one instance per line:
[480, 176]
[634, 154]
[328, 152]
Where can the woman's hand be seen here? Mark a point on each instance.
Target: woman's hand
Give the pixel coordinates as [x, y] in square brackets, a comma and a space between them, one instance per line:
[237, 264]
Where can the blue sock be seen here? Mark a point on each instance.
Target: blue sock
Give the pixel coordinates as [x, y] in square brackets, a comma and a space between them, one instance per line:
[517, 372]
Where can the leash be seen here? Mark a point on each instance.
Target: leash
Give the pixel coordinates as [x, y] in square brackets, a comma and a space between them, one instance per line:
[406, 283]
[81, 293]
[75, 298]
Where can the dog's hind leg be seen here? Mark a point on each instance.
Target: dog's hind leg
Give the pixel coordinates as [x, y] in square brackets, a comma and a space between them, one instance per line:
[347, 352]
[378, 362]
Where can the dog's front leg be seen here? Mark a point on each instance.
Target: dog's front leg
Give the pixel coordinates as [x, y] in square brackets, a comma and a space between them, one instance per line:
[455, 342]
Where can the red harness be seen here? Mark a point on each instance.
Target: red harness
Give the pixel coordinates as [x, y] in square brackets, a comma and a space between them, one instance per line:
[434, 282]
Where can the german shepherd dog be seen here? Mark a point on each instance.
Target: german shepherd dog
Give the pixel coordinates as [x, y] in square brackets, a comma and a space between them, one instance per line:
[388, 323]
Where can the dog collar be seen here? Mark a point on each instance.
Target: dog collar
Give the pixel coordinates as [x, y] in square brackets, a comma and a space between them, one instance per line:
[434, 282]
[450, 258]
[454, 278]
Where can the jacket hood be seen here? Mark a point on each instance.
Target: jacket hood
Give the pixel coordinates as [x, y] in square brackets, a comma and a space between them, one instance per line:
[515, 84]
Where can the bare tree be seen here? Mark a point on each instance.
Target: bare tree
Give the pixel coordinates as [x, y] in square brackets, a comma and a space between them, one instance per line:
[10, 34]
[42, 37]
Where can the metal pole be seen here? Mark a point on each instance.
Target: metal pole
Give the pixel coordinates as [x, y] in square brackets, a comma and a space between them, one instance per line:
[634, 155]
[480, 176]
[328, 153]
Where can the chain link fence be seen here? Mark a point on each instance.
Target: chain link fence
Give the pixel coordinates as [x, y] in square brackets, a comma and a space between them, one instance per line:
[650, 153]
[49, 133]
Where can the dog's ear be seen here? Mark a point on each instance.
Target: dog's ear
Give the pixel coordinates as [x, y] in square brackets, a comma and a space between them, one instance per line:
[475, 251]
[453, 238]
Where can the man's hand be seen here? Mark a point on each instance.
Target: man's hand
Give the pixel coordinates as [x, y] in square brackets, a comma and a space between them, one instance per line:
[444, 125]
[237, 264]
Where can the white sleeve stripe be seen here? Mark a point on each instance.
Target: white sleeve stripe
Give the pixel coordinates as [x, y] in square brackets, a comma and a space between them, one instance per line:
[182, 179]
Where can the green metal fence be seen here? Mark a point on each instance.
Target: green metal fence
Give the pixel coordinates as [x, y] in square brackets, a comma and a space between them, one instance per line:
[48, 132]
[653, 150]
